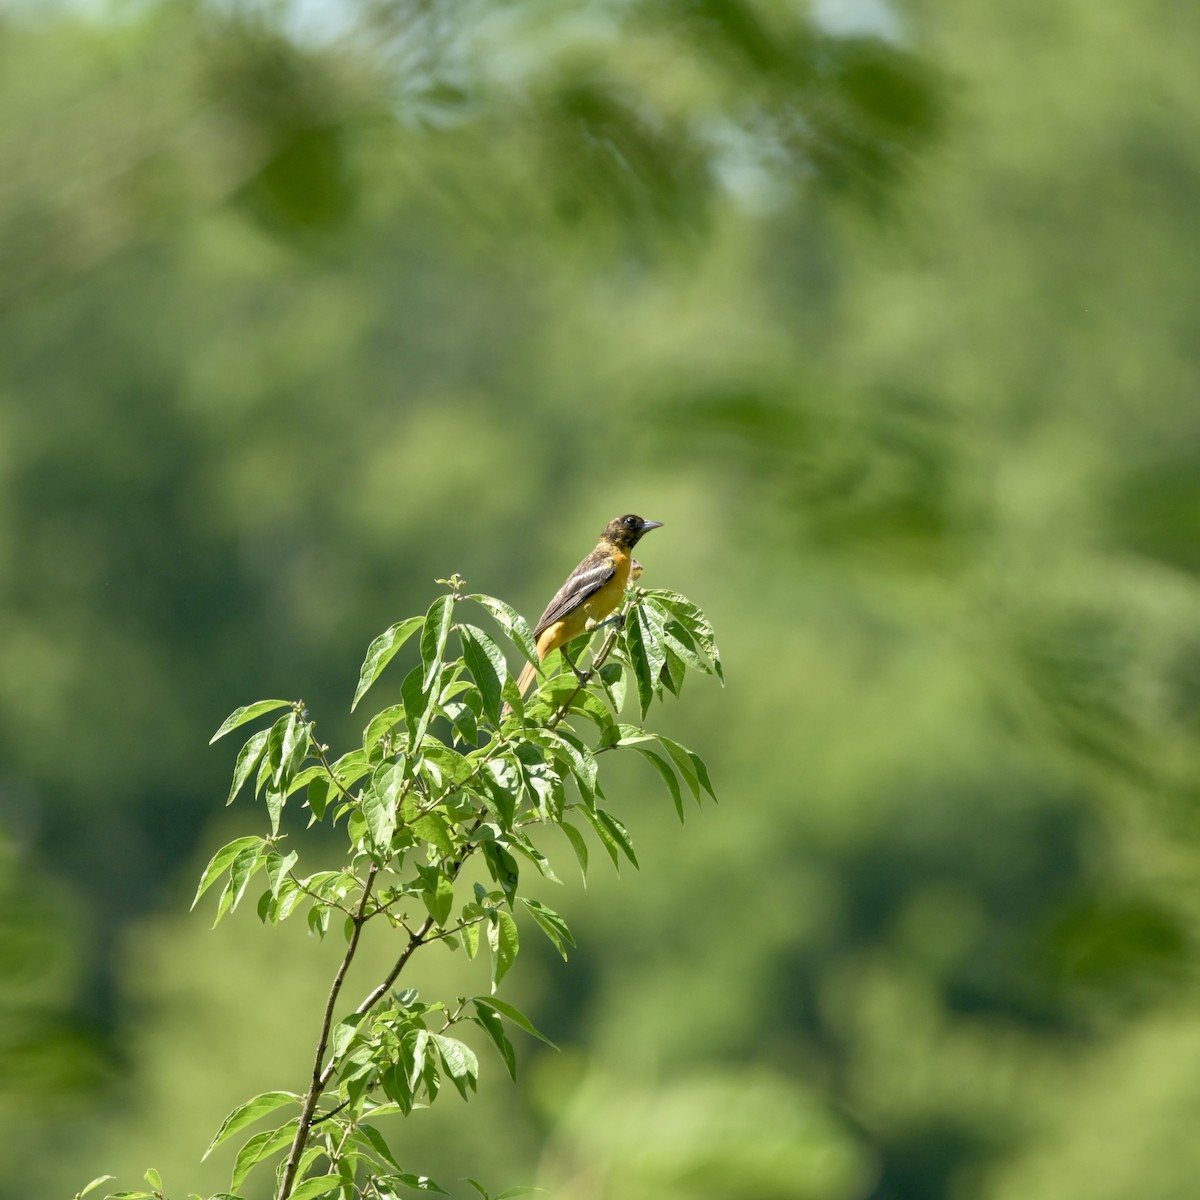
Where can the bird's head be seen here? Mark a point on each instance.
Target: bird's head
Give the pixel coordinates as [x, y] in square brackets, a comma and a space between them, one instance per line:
[626, 531]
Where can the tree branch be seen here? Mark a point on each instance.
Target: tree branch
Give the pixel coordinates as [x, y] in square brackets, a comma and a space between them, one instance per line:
[316, 1087]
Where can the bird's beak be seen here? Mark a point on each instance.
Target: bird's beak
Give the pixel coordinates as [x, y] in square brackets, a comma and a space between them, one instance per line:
[648, 525]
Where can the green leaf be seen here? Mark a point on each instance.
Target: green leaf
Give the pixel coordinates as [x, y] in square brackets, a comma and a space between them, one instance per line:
[552, 925]
[489, 1020]
[247, 760]
[419, 1183]
[241, 871]
[620, 834]
[514, 1014]
[694, 621]
[578, 845]
[485, 661]
[418, 707]
[667, 774]
[318, 1185]
[247, 712]
[656, 655]
[260, 1146]
[504, 941]
[680, 641]
[317, 796]
[433, 638]
[274, 801]
[465, 721]
[521, 843]
[513, 624]
[380, 1146]
[419, 1044]
[501, 783]
[343, 1034]
[639, 659]
[439, 899]
[318, 920]
[691, 766]
[381, 723]
[470, 937]
[219, 861]
[291, 751]
[93, 1185]
[459, 1059]
[381, 652]
[502, 867]
[278, 867]
[612, 834]
[433, 829]
[591, 706]
[247, 1114]
[379, 802]
[577, 757]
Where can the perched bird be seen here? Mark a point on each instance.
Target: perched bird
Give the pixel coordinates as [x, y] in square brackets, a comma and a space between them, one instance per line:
[592, 591]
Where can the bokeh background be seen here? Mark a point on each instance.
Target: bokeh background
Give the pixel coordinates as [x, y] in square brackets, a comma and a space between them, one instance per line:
[888, 308]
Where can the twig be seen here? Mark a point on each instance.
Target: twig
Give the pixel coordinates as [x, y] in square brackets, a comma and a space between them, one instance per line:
[317, 1086]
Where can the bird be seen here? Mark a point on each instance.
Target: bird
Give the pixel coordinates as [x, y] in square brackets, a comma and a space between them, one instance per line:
[592, 591]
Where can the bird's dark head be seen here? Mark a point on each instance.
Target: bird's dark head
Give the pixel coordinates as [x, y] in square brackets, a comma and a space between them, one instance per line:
[627, 530]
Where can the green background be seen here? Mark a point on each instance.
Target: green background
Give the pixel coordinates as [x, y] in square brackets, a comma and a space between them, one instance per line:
[889, 311]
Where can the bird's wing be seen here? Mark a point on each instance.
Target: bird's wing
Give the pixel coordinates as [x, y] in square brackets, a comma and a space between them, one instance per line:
[587, 579]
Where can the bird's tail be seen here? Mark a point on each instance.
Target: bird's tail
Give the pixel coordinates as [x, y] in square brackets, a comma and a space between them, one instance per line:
[526, 677]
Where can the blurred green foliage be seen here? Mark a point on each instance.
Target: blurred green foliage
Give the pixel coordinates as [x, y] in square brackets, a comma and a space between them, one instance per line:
[887, 311]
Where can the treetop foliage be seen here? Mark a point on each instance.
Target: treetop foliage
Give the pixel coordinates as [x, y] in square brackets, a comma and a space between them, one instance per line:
[462, 770]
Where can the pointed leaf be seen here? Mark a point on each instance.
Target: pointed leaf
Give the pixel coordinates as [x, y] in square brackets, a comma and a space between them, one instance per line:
[260, 1146]
[578, 845]
[485, 661]
[379, 802]
[514, 1014]
[512, 622]
[667, 774]
[91, 1187]
[247, 760]
[221, 860]
[433, 638]
[247, 1114]
[552, 925]
[488, 1019]
[639, 659]
[247, 712]
[620, 834]
[504, 941]
[381, 652]
[317, 1185]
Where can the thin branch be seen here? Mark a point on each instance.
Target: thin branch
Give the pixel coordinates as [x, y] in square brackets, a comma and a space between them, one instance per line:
[317, 1086]
[597, 662]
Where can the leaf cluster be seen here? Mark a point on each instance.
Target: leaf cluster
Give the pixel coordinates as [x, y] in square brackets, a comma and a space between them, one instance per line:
[462, 768]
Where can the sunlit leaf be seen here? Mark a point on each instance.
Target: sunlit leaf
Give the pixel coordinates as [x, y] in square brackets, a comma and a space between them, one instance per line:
[552, 925]
[247, 712]
[381, 652]
[486, 663]
[246, 1114]
[504, 941]
[514, 1014]
[221, 860]
[512, 622]
[433, 638]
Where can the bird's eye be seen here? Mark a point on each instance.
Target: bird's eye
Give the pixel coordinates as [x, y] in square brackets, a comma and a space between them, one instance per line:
[631, 522]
